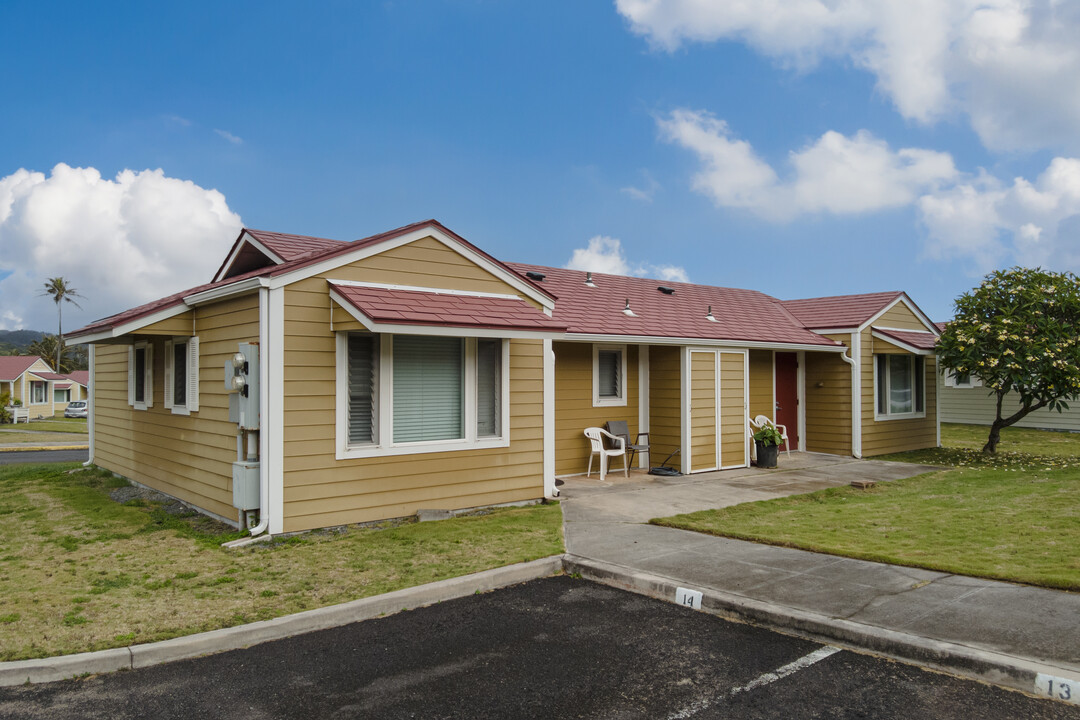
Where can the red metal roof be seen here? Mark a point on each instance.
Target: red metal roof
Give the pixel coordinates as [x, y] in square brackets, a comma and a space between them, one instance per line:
[839, 311]
[290, 247]
[921, 340]
[82, 377]
[741, 315]
[50, 376]
[296, 263]
[411, 307]
[12, 366]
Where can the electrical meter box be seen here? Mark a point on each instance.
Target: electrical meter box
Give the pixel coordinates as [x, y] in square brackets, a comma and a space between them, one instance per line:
[245, 485]
[242, 382]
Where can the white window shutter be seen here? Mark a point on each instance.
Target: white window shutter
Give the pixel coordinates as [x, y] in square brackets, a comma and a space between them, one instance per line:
[168, 374]
[193, 374]
[148, 388]
[131, 375]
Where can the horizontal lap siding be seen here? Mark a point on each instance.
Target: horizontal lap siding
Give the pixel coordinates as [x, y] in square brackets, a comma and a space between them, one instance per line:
[828, 402]
[702, 411]
[177, 325]
[665, 403]
[321, 490]
[574, 410]
[732, 409]
[880, 437]
[187, 456]
[978, 406]
[761, 383]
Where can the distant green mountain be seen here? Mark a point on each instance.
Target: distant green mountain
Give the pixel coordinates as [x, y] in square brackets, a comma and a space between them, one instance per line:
[18, 339]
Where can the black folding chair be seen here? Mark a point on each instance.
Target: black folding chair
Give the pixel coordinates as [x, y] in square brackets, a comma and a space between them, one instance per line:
[619, 428]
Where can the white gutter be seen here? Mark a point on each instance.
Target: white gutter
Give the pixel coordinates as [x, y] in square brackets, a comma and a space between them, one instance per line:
[90, 403]
[698, 342]
[264, 436]
[856, 394]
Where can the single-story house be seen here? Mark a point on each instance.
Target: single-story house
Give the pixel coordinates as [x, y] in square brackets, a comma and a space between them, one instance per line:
[412, 370]
[32, 382]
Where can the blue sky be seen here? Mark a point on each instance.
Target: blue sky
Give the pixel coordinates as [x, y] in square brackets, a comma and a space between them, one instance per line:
[746, 153]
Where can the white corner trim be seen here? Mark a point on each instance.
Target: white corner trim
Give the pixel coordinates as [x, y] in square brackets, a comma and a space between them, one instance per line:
[598, 401]
[92, 403]
[273, 419]
[801, 394]
[684, 409]
[549, 419]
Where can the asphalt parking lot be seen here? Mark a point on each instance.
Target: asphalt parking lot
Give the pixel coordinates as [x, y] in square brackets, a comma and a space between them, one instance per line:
[553, 648]
[43, 456]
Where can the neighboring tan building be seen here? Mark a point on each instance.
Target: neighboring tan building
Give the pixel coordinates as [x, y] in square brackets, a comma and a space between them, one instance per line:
[32, 382]
[411, 370]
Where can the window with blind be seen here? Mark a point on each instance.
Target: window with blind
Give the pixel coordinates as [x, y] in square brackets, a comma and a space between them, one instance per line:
[901, 386]
[363, 359]
[397, 393]
[609, 375]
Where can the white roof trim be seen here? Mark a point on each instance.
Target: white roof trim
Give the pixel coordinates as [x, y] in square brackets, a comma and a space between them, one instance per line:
[133, 326]
[655, 340]
[902, 298]
[833, 331]
[249, 239]
[218, 293]
[900, 343]
[510, 278]
[414, 288]
[892, 329]
[447, 330]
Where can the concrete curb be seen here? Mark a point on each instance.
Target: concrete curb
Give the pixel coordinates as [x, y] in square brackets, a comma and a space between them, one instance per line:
[241, 636]
[996, 668]
[33, 448]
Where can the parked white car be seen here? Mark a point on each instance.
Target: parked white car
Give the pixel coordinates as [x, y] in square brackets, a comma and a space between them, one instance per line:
[77, 409]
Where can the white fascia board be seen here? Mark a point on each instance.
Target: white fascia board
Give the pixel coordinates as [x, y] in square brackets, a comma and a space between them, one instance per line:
[703, 342]
[225, 291]
[380, 247]
[130, 327]
[833, 331]
[442, 330]
[247, 239]
[900, 343]
[415, 288]
[903, 298]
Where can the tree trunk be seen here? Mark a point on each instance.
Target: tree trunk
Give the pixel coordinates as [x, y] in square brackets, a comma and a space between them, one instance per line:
[59, 334]
[995, 437]
[995, 430]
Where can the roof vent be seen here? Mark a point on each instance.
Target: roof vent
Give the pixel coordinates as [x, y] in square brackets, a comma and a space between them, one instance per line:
[709, 316]
[588, 280]
[666, 290]
[538, 277]
[627, 311]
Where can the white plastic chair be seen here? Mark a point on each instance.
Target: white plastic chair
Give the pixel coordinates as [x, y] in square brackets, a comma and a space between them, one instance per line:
[596, 437]
[759, 422]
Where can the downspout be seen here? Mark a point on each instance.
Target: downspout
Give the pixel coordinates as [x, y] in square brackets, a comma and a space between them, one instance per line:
[264, 391]
[90, 404]
[856, 391]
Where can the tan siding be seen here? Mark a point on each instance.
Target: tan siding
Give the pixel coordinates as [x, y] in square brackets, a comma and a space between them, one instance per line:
[181, 324]
[900, 317]
[761, 383]
[887, 436]
[665, 403]
[732, 409]
[702, 411]
[828, 402]
[321, 490]
[189, 457]
[573, 404]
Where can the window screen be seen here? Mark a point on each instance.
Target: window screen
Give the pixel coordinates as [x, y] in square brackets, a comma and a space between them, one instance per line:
[362, 383]
[428, 388]
[610, 363]
[488, 387]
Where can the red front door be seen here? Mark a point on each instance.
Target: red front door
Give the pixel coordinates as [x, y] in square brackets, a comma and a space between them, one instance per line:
[787, 396]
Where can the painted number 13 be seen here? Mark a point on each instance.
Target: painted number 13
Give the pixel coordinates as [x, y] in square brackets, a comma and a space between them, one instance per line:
[1064, 690]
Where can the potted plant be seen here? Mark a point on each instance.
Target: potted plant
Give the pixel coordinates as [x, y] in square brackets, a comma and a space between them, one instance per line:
[768, 441]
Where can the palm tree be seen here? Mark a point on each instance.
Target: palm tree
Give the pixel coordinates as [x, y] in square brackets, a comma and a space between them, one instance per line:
[60, 291]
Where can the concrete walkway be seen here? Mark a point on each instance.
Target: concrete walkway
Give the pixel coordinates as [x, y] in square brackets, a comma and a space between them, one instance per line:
[605, 523]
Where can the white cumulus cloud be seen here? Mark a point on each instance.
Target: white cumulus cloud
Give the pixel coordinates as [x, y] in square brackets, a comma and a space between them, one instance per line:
[120, 242]
[836, 174]
[1011, 66]
[991, 223]
[603, 254]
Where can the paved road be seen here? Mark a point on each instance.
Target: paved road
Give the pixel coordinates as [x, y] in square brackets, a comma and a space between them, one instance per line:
[43, 456]
[554, 648]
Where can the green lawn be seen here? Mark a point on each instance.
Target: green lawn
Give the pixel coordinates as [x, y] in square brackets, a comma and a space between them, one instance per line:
[81, 572]
[1015, 517]
[56, 424]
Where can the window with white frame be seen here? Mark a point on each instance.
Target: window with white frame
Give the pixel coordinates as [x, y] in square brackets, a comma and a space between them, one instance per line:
[901, 386]
[182, 375]
[61, 395]
[141, 375]
[420, 393]
[954, 378]
[38, 390]
[609, 375]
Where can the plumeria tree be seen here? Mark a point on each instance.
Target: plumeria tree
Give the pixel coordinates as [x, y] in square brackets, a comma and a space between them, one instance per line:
[1017, 332]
